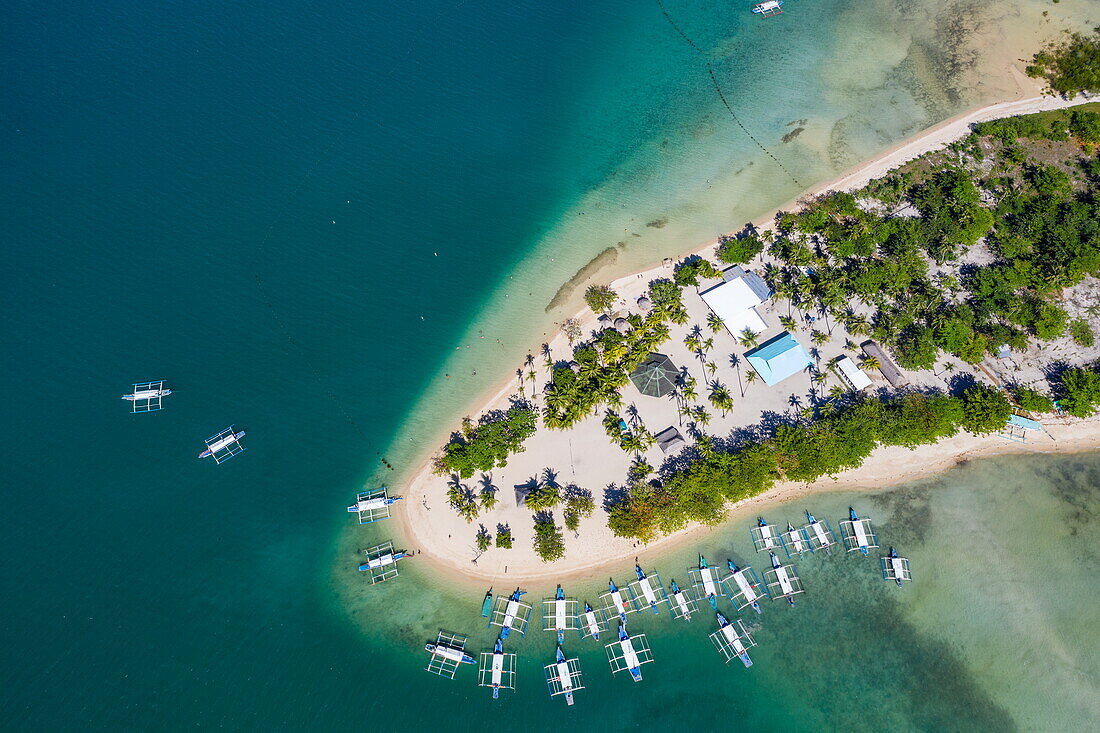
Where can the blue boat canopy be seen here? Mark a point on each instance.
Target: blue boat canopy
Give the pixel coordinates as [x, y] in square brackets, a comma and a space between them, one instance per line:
[779, 358]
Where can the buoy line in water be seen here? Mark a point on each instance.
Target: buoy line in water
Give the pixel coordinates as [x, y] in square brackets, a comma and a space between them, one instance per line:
[722, 96]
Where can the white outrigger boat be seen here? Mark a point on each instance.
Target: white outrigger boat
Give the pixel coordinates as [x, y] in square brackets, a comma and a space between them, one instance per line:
[768, 8]
[764, 537]
[616, 602]
[819, 533]
[371, 506]
[681, 603]
[147, 396]
[224, 445]
[896, 568]
[511, 613]
[796, 541]
[733, 640]
[749, 588]
[858, 534]
[707, 583]
[559, 614]
[563, 677]
[448, 651]
[592, 623]
[382, 562]
[648, 589]
[784, 581]
[629, 653]
[497, 670]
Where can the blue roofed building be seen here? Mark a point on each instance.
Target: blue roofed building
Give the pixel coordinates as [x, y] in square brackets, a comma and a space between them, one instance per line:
[779, 358]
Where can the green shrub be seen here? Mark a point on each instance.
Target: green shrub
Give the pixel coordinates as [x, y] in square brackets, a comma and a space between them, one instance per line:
[985, 410]
[1033, 401]
[1082, 392]
[739, 251]
[1081, 332]
[549, 542]
[601, 298]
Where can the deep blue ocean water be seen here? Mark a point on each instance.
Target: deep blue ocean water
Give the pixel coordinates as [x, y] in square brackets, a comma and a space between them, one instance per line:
[292, 212]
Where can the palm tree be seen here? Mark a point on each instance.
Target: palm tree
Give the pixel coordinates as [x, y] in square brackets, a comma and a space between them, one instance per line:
[836, 391]
[691, 341]
[819, 337]
[751, 377]
[869, 363]
[857, 325]
[748, 338]
[701, 415]
[721, 398]
[788, 323]
[715, 323]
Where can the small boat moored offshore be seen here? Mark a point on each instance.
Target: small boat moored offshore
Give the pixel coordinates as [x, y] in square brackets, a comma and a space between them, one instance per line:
[784, 581]
[707, 582]
[511, 613]
[382, 562]
[559, 614]
[487, 603]
[896, 568]
[681, 604]
[372, 506]
[224, 445]
[591, 623]
[448, 651]
[648, 589]
[497, 670]
[563, 677]
[629, 653]
[857, 534]
[733, 640]
[768, 8]
[749, 589]
[147, 396]
[820, 533]
[615, 602]
[764, 537]
[796, 540]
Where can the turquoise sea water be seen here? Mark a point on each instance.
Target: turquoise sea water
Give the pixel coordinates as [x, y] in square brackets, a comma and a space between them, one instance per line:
[291, 212]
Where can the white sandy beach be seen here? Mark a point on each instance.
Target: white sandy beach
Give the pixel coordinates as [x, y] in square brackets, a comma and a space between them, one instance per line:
[583, 455]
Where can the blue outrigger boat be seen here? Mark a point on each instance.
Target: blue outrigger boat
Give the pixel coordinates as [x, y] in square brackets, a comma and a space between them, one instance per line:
[591, 622]
[748, 586]
[646, 587]
[560, 596]
[820, 533]
[706, 579]
[620, 604]
[511, 611]
[487, 604]
[733, 640]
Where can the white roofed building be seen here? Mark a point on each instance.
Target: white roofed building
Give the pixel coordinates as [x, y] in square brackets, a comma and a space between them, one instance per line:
[734, 300]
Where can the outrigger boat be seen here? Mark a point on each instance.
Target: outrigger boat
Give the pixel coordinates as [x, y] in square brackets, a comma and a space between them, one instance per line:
[591, 624]
[681, 604]
[819, 533]
[563, 677]
[372, 506]
[511, 613]
[629, 653]
[497, 670]
[615, 603]
[648, 589]
[857, 533]
[707, 579]
[896, 568]
[796, 540]
[733, 640]
[764, 537]
[224, 445]
[748, 587]
[487, 603]
[785, 582]
[382, 562]
[768, 8]
[147, 396]
[446, 654]
[559, 614]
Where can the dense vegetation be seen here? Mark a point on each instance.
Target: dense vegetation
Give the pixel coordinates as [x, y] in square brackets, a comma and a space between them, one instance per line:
[847, 252]
[601, 298]
[699, 491]
[549, 542]
[488, 444]
[600, 368]
[1070, 66]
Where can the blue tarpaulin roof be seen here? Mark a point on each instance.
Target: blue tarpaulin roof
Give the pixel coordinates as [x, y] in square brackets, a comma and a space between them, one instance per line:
[779, 358]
